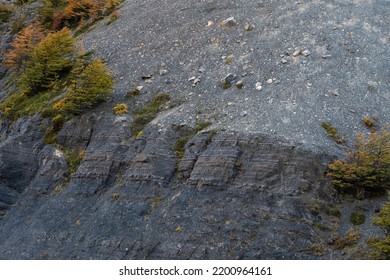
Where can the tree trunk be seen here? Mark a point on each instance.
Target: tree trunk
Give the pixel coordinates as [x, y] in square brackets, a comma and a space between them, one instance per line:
[360, 193]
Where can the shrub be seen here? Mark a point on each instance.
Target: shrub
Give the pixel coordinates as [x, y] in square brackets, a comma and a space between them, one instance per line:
[120, 109]
[357, 218]
[365, 167]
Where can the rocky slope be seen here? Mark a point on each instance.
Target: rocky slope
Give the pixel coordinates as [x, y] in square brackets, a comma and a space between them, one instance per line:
[252, 184]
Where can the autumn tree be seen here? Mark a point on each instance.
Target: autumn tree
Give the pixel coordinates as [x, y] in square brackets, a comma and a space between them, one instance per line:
[367, 166]
[91, 84]
[22, 47]
[78, 9]
[53, 55]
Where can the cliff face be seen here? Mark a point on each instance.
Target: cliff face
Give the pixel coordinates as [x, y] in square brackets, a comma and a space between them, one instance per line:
[249, 186]
[232, 196]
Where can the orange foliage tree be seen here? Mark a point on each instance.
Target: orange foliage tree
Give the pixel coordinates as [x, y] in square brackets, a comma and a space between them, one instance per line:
[79, 9]
[22, 47]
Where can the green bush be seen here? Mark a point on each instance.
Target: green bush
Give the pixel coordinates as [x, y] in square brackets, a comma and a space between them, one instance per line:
[357, 218]
[367, 166]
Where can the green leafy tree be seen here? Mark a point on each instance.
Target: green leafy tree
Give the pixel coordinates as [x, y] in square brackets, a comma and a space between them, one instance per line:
[367, 166]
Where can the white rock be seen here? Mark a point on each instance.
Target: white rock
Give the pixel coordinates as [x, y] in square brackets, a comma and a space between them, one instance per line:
[306, 53]
[229, 22]
[296, 53]
[258, 86]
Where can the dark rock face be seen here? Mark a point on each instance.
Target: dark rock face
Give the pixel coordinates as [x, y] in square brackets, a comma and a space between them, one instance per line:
[233, 196]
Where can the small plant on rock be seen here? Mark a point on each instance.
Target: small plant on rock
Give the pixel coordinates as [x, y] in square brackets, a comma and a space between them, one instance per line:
[120, 109]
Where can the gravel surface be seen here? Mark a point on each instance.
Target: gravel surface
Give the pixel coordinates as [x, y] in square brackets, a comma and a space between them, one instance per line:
[298, 63]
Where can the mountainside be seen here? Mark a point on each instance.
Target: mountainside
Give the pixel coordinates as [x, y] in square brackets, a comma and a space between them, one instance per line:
[234, 164]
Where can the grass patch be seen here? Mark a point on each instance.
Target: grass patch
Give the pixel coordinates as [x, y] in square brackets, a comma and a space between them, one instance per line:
[20, 104]
[148, 113]
[73, 159]
[357, 218]
[179, 147]
[321, 227]
[332, 132]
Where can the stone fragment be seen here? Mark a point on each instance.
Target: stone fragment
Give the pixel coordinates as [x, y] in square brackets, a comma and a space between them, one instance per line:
[228, 23]
[163, 72]
[305, 53]
[258, 86]
[229, 78]
[297, 53]
[249, 27]
[146, 77]
[240, 84]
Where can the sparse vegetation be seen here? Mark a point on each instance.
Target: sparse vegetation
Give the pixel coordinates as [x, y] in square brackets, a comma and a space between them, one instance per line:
[332, 133]
[349, 240]
[73, 159]
[179, 147]
[333, 211]
[113, 17]
[316, 249]
[382, 246]
[148, 113]
[368, 122]
[367, 166]
[132, 93]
